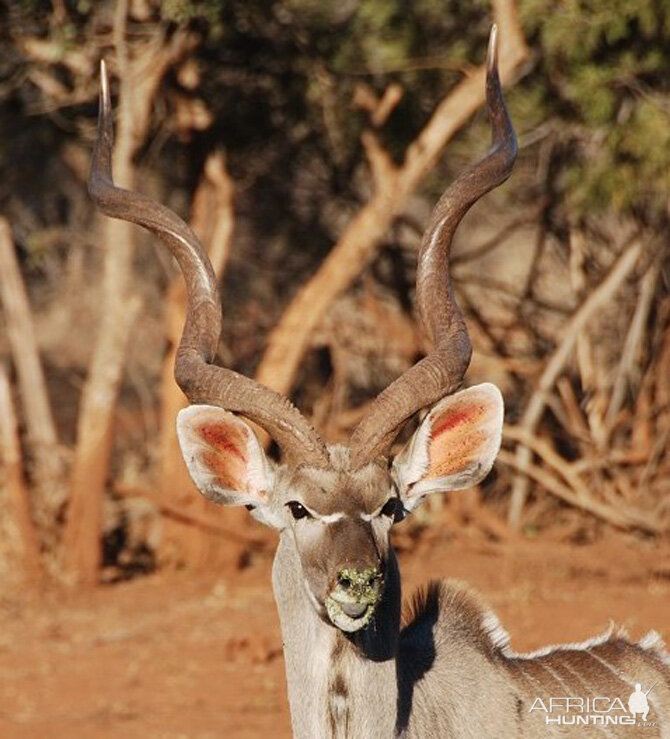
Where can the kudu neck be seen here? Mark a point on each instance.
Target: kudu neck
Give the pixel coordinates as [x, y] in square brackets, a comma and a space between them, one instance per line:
[338, 685]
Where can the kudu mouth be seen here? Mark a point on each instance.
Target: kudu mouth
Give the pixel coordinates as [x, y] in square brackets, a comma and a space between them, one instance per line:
[351, 603]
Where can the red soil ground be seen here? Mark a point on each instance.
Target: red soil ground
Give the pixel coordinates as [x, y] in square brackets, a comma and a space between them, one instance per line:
[178, 655]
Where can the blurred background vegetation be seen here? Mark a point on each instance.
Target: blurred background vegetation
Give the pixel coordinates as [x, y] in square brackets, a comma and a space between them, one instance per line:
[562, 273]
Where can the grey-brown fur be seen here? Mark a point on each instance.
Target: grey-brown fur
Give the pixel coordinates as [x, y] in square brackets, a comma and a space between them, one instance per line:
[450, 672]
[459, 677]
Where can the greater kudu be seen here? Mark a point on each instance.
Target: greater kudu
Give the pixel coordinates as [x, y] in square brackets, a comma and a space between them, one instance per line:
[352, 671]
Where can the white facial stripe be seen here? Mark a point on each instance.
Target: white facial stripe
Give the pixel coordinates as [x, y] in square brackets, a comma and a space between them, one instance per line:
[331, 518]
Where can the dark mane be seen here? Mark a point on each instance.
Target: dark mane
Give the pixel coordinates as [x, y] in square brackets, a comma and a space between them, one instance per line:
[449, 609]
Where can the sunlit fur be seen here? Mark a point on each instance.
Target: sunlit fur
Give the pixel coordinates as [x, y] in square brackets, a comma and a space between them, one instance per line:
[351, 540]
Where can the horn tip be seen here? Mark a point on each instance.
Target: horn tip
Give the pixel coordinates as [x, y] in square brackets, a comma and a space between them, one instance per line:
[104, 88]
[492, 53]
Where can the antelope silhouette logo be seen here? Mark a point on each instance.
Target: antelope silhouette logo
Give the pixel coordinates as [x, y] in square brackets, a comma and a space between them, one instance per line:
[638, 703]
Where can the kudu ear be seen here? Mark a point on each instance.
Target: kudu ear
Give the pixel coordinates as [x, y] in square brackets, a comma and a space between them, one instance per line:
[224, 458]
[455, 446]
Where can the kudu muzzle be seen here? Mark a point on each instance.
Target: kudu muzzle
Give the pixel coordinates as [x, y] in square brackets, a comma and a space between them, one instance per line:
[359, 580]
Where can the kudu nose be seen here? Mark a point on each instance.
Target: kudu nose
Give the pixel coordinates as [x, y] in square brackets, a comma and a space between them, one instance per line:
[358, 589]
[350, 578]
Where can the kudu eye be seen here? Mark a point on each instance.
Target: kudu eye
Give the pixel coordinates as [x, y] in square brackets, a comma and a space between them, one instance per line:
[393, 508]
[298, 510]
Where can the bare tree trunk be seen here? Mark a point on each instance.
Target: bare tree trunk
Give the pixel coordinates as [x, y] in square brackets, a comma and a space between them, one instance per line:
[213, 221]
[94, 446]
[42, 435]
[535, 408]
[16, 509]
[393, 186]
[140, 76]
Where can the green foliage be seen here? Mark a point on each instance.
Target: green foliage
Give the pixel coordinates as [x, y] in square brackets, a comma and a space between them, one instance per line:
[279, 77]
[184, 11]
[602, 79]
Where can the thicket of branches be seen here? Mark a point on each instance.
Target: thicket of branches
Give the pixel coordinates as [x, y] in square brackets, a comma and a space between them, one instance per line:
[305, 142]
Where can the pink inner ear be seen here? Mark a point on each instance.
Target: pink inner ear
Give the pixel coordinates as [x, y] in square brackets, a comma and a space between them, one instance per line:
[226, 454]
[456, 417]
[224, 438]
[456, 439]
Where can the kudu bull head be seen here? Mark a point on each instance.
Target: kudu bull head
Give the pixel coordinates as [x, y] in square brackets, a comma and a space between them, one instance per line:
[337, 503]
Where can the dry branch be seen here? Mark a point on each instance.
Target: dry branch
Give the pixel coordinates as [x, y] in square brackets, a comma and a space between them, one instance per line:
[549, 456]
[393, 187]
[570, 472]
[40, 425]
[92, 455]
[634, 342]
[16, 508]
[535, 408]
[615, 516]
[365, 98]
[577, 425]
[201, 522]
